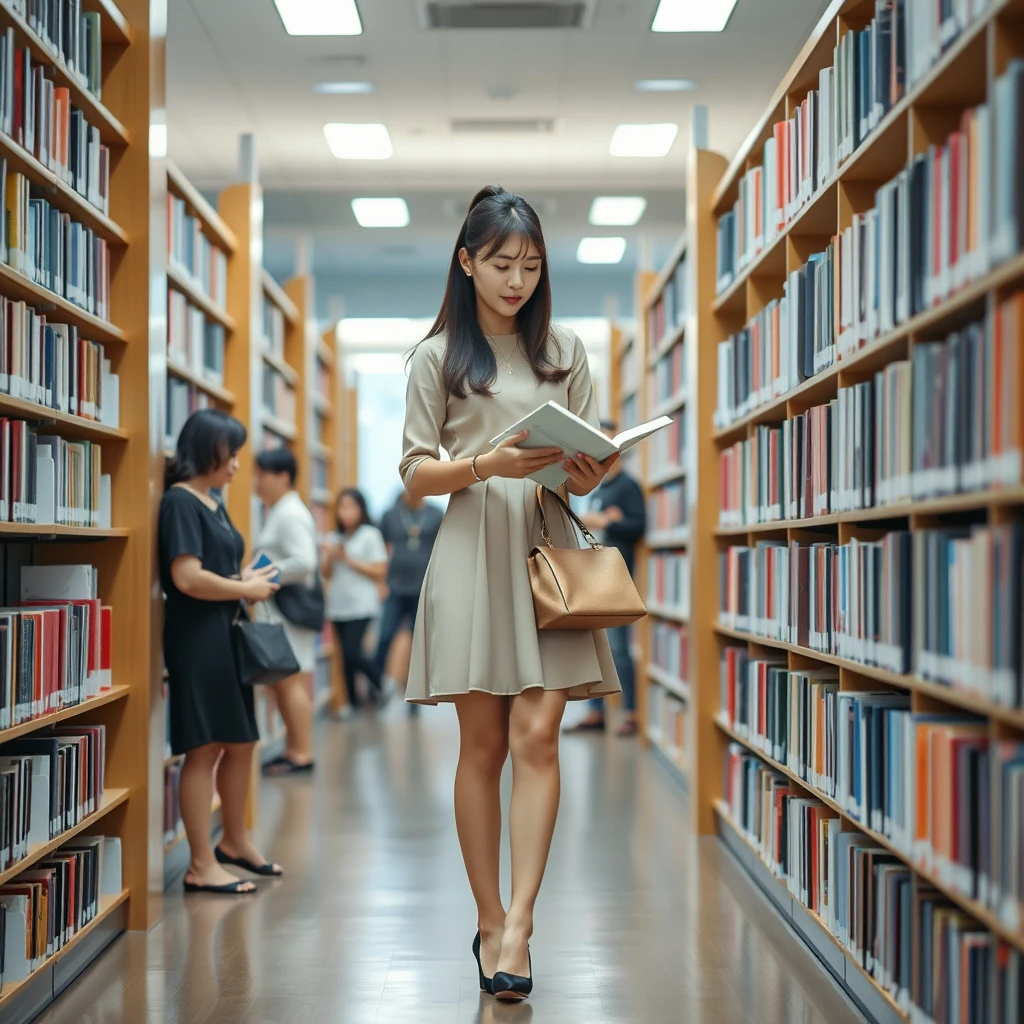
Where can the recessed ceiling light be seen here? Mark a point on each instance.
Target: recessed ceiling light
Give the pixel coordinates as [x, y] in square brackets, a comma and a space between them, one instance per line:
[618, 210]
[320, 17]
[689, 16]
[343, 88]
[665, 85]
[381, 213]
[601, 250]
[648, 140]
[359, 141]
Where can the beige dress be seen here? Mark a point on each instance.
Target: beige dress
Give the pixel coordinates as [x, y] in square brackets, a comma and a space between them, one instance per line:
[475, 626]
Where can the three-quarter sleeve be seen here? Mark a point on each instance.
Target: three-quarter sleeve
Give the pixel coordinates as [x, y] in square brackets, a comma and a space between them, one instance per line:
[426, 403]
[582, 397]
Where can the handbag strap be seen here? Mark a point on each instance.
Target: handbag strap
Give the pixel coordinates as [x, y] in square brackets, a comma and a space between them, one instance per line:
[541, 491]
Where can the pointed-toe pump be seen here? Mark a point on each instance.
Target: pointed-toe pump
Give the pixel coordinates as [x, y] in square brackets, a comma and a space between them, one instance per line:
[485, 982]
[512, 987]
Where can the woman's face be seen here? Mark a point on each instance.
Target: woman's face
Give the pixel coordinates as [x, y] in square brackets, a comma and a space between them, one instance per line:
[224, 473]
[505, 281]
[349, 513]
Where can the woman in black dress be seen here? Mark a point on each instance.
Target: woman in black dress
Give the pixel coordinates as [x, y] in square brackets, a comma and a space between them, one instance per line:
[213, 722]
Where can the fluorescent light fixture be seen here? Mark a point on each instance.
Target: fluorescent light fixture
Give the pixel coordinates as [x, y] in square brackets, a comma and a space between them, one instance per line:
[601, 250]
[320, 17]
[343, 88]
[359, 141]
[617, 210]
[381, 213]
[648, 140]
[692, 15]
[665, 85]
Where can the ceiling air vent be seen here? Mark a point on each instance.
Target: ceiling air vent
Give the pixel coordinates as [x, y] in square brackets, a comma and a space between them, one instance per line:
[502, 126]
[503, 14]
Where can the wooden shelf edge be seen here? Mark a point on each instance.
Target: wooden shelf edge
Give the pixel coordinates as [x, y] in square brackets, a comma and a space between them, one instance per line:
[670, 754]
[279, 298]
[665, 346]
[667, 477]
[177, 280]
[324, 353]
[290, 374]
[116, 26]
[663, 278]
[668, 539]
[675, 686]
[210, 218]
[182, 372]
[45, 721]
[279, 427]
[977, 910]
[663, 611]
[963, 699]
[82, 426]
[111, 798]
[673, 404]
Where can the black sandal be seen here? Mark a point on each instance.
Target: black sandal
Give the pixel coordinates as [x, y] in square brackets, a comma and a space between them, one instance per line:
[284, 765]
[236, 888]
[267, 870]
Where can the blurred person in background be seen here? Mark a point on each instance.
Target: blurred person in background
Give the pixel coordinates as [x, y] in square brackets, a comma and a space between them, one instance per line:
[355, 562]
[288, 539]
[616, 510]
[409, 528]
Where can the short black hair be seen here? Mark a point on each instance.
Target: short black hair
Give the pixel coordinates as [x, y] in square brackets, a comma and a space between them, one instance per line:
[278, 460]
[609, 425]
[207, 440]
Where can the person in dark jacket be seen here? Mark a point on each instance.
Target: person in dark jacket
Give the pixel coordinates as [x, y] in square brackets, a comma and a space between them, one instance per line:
[617, 511]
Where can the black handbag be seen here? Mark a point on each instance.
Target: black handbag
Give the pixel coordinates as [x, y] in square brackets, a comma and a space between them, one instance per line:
[263, 655]
[302, 605]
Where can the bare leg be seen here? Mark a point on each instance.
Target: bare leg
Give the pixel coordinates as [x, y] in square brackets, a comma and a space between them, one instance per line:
[296, 709]
[234, 776]
[536, 783]
[195, 793]
[483, 748]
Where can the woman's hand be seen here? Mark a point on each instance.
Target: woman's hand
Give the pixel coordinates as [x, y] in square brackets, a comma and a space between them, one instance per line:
[516, 463]
[258, 585]
[586, 473]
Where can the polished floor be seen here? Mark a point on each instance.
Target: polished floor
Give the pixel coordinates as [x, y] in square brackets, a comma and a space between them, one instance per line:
[637, 921]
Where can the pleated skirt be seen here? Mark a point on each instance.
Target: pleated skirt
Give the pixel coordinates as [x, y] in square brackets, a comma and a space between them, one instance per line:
[475, 627]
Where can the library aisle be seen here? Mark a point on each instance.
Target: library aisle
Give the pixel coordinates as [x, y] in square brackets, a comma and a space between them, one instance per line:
[638, 921]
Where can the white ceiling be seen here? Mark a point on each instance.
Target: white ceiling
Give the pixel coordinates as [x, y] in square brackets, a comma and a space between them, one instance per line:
[232, 69]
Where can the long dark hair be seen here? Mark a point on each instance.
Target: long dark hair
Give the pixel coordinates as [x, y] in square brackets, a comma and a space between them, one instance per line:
[357, 496]
[207, 440]
[493, 218]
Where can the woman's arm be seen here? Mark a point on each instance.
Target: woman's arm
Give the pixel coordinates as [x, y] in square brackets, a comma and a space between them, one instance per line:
[196, 582]
[376, 571]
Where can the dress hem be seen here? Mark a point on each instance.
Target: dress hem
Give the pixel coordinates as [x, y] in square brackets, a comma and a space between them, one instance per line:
[588, 691]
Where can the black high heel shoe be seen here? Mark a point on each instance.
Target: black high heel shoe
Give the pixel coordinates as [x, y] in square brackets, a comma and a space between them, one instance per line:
[485, 982]
[512, 987]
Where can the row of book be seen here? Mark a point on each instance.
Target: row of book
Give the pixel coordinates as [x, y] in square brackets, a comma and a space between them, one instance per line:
[667, 379]
[668, 314]
[192, 340]
[666, 507]
[38, 115]
[319, 477]
[944, 604]
[278, 395]
[668, 581]
[945, 795]
[936, 962]
[55, 646]
[790, 340]
[183, 399]
[629, 367]
[670, 649]
[73, 36]
[193, 254]
[52, 249]
[52, 365]
[44, 908]
[273, 328]
[668, 446]
[667, 722]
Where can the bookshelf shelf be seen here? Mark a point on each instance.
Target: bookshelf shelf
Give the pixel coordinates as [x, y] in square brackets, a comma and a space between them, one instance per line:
[198, 298]
[320, 496]
[668, 476]
[71, 427]
[286, 430]
[673, 685]
[669, 538]
[114, 26]
[660, 611]
[43, 531]
[62, 195]
[45, 721]
[280, 298]
[287, 371]
[671, 405]
[221, 394]
[108, 905]
[324, 353]
[212, 223]
[666, 344]
[320, 450]
[672, 755]
[111, 799]
[321, 403]
[112, 131]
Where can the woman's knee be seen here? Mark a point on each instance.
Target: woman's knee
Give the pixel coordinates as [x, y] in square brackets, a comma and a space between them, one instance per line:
[534, 742]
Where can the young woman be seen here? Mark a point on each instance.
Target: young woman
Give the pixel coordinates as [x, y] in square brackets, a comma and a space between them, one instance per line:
[213, 722]
[491, 358]
[355, 560]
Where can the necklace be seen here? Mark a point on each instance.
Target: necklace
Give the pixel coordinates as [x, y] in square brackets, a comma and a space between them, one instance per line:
[412, 529]
[505, 363]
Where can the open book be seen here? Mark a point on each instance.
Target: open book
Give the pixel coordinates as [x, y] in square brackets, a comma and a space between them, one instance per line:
[550, 426]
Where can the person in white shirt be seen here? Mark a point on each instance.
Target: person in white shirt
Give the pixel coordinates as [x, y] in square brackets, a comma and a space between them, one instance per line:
[355, 560]
[288, 539]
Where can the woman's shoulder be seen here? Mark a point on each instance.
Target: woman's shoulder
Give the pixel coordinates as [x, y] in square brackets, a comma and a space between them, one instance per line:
[429, 351]
[567, 343]
[177, 497]
[367, 532]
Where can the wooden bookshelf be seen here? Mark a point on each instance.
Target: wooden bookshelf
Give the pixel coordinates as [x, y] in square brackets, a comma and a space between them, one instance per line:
[960, 78]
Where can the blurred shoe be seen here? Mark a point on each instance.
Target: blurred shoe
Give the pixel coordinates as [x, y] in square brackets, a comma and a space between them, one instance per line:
[587, 724]
[630, 727]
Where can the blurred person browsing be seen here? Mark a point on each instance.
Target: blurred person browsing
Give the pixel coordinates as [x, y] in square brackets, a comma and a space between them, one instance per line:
[354, 561]
[212, 715]
[288, 539]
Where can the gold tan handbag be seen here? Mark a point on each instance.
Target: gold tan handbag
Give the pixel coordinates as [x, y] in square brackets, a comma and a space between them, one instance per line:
[580, 588]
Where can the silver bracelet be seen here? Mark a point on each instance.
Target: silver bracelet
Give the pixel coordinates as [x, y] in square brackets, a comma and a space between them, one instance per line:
[472, 466]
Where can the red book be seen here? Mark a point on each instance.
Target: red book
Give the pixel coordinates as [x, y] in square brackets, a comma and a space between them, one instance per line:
[106, 626]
